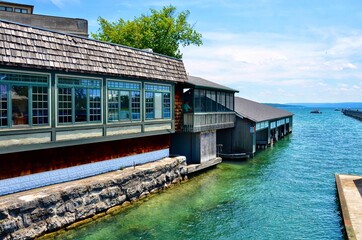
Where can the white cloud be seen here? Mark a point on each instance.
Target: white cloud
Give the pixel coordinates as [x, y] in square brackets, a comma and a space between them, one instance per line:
[259, 61]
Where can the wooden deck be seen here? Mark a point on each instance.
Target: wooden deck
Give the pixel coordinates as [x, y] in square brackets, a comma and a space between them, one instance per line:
[349, 189]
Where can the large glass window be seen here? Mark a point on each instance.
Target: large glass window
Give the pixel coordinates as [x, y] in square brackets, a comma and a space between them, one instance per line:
[24, 99]
[221, 101]
[79, 100]
[123, 101]
[213, 101]
[210, 101]
[199, 100]
[229, 102]
[158, 101]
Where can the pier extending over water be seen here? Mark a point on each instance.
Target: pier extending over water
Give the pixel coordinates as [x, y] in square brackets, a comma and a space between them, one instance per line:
[349, 191]
[353, 113]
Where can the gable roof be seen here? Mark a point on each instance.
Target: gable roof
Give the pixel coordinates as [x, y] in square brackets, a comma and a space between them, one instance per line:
[203, 83]
[29, 46]
[258, 112]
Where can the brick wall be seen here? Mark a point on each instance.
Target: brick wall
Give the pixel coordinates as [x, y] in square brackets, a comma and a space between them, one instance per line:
[178, 107]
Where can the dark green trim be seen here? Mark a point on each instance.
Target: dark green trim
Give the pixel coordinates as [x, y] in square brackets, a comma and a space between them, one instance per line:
[68, 143]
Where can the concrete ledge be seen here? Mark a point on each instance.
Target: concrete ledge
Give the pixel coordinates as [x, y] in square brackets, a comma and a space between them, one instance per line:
[17, 184]
[191, 168]
[349, 189]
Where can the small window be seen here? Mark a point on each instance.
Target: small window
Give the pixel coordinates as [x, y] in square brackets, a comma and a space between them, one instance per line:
[24, 100]
[21, 10]
[9, 9]
[2, 8]
[79, 100]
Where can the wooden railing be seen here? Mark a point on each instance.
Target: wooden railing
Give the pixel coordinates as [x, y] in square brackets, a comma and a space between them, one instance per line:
[197, 122]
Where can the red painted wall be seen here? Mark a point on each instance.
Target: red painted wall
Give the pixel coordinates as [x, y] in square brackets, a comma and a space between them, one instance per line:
[24, 163]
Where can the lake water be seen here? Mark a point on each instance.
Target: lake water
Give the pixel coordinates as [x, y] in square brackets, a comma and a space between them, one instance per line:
[286, 192]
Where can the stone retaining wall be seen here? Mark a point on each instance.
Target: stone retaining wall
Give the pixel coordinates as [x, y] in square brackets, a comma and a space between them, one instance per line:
[32, 213]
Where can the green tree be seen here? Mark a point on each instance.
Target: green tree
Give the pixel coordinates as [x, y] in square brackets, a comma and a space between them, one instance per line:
[163, 31]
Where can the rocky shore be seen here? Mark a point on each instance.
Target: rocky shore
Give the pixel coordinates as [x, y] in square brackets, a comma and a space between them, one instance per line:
[30, 214]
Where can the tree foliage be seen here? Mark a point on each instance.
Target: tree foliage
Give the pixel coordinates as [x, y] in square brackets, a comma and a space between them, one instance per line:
[163, 31]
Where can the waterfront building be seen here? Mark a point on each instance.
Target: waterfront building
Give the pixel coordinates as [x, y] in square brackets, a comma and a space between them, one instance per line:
[257, 126]
[207, 108]
[23, 13]
[73, 107]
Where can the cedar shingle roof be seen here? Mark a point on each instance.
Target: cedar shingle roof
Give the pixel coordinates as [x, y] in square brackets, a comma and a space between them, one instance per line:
[27, 46]
[200, 82]
[258, 112]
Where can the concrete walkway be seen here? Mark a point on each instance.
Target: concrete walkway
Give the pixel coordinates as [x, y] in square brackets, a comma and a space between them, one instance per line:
[350, 197]
[191, 168]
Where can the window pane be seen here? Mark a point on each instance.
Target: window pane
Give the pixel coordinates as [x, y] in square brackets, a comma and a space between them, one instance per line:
[124, 111]
[202, 101]
[221, 102]
[149, 105]
[65, 105]
[158, 105]
[136, 106]
[113, 105]
[94, 105]
[166, 105]
[3, 105]
[197, 100]
[80, 101]
[19, 101]
[210, 101]
[40, 105]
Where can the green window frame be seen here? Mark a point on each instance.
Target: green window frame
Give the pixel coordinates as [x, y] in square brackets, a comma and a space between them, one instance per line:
[24, 99]
[124, 101]
[79, 100]
[157, 101]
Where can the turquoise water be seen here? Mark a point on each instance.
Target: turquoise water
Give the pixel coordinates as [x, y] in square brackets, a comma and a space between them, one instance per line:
[285, 192]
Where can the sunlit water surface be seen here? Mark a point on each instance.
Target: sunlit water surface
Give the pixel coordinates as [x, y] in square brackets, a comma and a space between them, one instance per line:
[285, 192]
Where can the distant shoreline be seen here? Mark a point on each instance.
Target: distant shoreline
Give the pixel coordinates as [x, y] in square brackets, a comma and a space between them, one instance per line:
[351, 105]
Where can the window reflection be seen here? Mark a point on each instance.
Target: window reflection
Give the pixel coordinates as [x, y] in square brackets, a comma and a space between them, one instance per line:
[19, 101]
[80, 104]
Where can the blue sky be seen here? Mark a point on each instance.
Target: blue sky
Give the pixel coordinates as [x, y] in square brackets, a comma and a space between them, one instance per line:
[280, 51]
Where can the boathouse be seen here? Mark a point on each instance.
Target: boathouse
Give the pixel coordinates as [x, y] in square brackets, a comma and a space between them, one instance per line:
[207, 107]
[257, 126]
[73, 107]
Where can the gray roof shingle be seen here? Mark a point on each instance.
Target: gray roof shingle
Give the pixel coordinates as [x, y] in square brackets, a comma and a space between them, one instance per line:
[27, 46]
[258, 112]
[200, 82]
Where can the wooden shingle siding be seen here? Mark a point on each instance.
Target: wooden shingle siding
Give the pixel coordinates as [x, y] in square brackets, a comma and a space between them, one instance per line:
[26, 46]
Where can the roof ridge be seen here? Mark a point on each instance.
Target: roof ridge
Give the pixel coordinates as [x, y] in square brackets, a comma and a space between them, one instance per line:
[85, 38]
